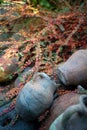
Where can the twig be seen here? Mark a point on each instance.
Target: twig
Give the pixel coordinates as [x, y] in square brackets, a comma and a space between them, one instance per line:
[73, 32]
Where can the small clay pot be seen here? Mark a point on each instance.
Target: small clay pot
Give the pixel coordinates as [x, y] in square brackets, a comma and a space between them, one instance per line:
[74, 70]
[35, 97]
[74, 118]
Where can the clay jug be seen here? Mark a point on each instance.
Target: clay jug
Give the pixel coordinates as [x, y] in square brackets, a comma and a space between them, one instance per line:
[74, 118]
[35, 97]
[59, 106]
[74, 70]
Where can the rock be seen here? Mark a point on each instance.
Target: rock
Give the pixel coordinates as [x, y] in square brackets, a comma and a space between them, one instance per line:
[35, 97]
[7, 68]
[59, 105]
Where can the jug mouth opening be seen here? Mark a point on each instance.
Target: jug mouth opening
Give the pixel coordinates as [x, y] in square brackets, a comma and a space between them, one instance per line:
[85, 101]
[62, 77]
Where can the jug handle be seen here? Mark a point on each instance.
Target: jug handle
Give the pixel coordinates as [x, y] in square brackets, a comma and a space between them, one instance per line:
[68, 113]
